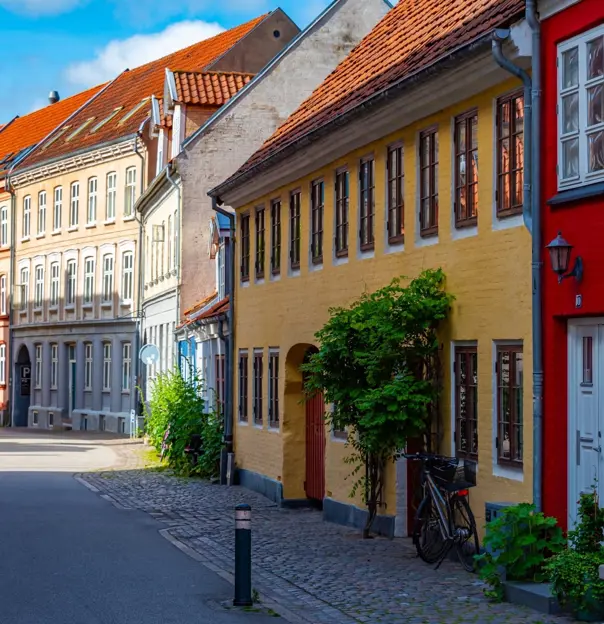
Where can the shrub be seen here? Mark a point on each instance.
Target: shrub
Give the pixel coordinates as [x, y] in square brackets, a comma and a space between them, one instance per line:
[518, 543]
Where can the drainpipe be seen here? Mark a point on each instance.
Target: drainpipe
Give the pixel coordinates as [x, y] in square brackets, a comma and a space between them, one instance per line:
[139, 313]
[532, 198]
[11, 297]
[177, 250]
[229, 340]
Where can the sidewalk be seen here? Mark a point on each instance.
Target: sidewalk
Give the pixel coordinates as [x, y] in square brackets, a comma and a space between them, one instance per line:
[310, 570]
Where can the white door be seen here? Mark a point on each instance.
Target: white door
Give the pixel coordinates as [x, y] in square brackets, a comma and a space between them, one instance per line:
[585, 410]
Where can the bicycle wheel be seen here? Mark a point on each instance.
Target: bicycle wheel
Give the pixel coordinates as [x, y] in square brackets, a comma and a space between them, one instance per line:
[427, 535]
[466, 535]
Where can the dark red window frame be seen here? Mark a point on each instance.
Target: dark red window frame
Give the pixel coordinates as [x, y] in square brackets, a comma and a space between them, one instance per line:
[258, 376]
[367, 204]
[510, 154]
[273, 389]
[465, 143]
[466, 402]
[428, 182]
[510, 411]
[243, 387]
[245, 247]
[395, 195]
[260, 243]
[276, 236]
[294, 229]
[342, 188]
[317, 208]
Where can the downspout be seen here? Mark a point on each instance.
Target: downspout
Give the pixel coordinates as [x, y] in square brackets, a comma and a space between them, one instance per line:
[139, 311]
[11, 298]
[532, 198]
[177, 251]
[230, 339]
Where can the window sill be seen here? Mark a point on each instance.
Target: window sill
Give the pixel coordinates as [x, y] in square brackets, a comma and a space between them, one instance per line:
[429, 232]
[54, 307]
[87, 306]
[109, 222]
[106, 390]
[260, 276]
[466, 223]
[55, 233]
[126, 392]
[87, 389]
[510, 463]
[38, 310]
[259, 426]
[317, 261]
[568, 196]
[294, 266]
[245, 280]
[41, 235]
[55, 388]
[367, 247]
[510, 212]
[70, 307]
[72, 228]
[342, 253]
[90, 225]
[274, 429]
[243, 423]
[25, 239]
[130, 218]
[126, 303]
[22, 312]
[106, 304]
[396, 240]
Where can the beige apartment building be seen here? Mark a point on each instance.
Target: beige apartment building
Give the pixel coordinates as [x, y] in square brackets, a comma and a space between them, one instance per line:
[77, 244]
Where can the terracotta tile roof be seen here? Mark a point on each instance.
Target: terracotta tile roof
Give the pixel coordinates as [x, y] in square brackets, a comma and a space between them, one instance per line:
[200, 304]
[129, 89]
[209, 88]
[193, 315]
[26, 131]
[166, 120]
[412, 36]
[220, 307]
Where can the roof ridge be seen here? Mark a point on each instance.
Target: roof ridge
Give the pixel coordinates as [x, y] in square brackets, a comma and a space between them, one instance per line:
[212, 72]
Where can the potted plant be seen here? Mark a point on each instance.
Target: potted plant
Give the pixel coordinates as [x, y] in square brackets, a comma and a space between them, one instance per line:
[574, 572]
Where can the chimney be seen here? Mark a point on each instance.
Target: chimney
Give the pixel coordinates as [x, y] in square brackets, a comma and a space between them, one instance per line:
[53, 97]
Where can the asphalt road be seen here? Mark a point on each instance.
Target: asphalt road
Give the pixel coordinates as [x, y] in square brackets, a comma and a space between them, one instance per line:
[69, 557]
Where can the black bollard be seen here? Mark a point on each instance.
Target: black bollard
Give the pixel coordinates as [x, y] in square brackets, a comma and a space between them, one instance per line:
[243, 556]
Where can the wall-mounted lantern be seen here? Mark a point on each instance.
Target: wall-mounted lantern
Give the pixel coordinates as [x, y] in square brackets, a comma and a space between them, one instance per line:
[559, 253]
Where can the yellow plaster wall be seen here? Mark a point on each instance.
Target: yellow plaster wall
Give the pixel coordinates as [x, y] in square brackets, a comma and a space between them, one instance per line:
[489, 274]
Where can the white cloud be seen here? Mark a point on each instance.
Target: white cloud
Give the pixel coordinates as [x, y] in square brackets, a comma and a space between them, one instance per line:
[129, 53]
[39, 7]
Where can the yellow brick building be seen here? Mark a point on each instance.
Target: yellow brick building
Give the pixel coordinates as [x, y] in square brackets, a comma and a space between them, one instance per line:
[443, 125]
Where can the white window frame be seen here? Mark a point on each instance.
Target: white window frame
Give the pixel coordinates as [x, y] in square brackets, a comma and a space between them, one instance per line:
[169, 239]
[54, 366]
[26, 226]
[74, 205]
[4, 226]
[126, 367]
[57, 209]
[39, 286]
[127, 293]
[3, 309]
[71, 285]
[2, 364]
[584, 176]
[24, 286]
[108, 268]
[130, 193]
[55, 287]
[88, 355]
[38, 369]
[89, 271]
[107, 348]
[221, 268]
[91, 203]
[111, 199]
[41, 213]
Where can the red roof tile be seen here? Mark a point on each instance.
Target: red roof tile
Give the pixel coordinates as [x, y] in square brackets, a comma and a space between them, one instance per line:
[412, 36]
[209, 88]
[221, 307]
[200, 304]
[30, 129]
[129, 89]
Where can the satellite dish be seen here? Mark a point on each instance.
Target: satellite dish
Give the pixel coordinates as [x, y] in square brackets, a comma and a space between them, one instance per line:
[149, 354]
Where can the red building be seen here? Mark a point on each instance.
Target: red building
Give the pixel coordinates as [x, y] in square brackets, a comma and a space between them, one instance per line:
[573, 204]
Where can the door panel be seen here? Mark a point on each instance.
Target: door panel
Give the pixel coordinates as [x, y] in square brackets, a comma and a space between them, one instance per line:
[585, 413]
[315, 448]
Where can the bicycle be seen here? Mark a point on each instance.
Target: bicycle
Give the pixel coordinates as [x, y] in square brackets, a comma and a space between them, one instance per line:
[444, 519]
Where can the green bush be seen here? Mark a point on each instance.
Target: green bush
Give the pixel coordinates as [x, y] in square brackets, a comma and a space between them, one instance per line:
[176, 403]
[518, 543]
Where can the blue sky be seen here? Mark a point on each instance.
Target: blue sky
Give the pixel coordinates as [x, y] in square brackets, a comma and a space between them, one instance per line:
[69, 45]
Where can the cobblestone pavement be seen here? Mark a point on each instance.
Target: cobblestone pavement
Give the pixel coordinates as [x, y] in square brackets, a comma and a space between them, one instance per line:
[312, 571]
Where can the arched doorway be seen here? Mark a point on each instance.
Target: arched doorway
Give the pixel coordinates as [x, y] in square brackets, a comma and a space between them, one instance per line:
[303, 449]
[22, 390]
[315, 443]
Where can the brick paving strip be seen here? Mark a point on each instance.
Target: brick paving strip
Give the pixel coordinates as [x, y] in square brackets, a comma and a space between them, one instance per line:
[305, 569]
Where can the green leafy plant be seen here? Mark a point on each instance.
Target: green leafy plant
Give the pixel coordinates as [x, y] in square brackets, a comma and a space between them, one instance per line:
[574, 573]
[175, 403]
[378, 365]
[517, 545]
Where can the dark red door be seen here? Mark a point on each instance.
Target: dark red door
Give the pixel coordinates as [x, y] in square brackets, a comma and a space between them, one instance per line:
[315, 448]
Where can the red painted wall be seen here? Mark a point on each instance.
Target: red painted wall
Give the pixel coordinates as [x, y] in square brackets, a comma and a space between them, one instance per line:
[582, 224]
